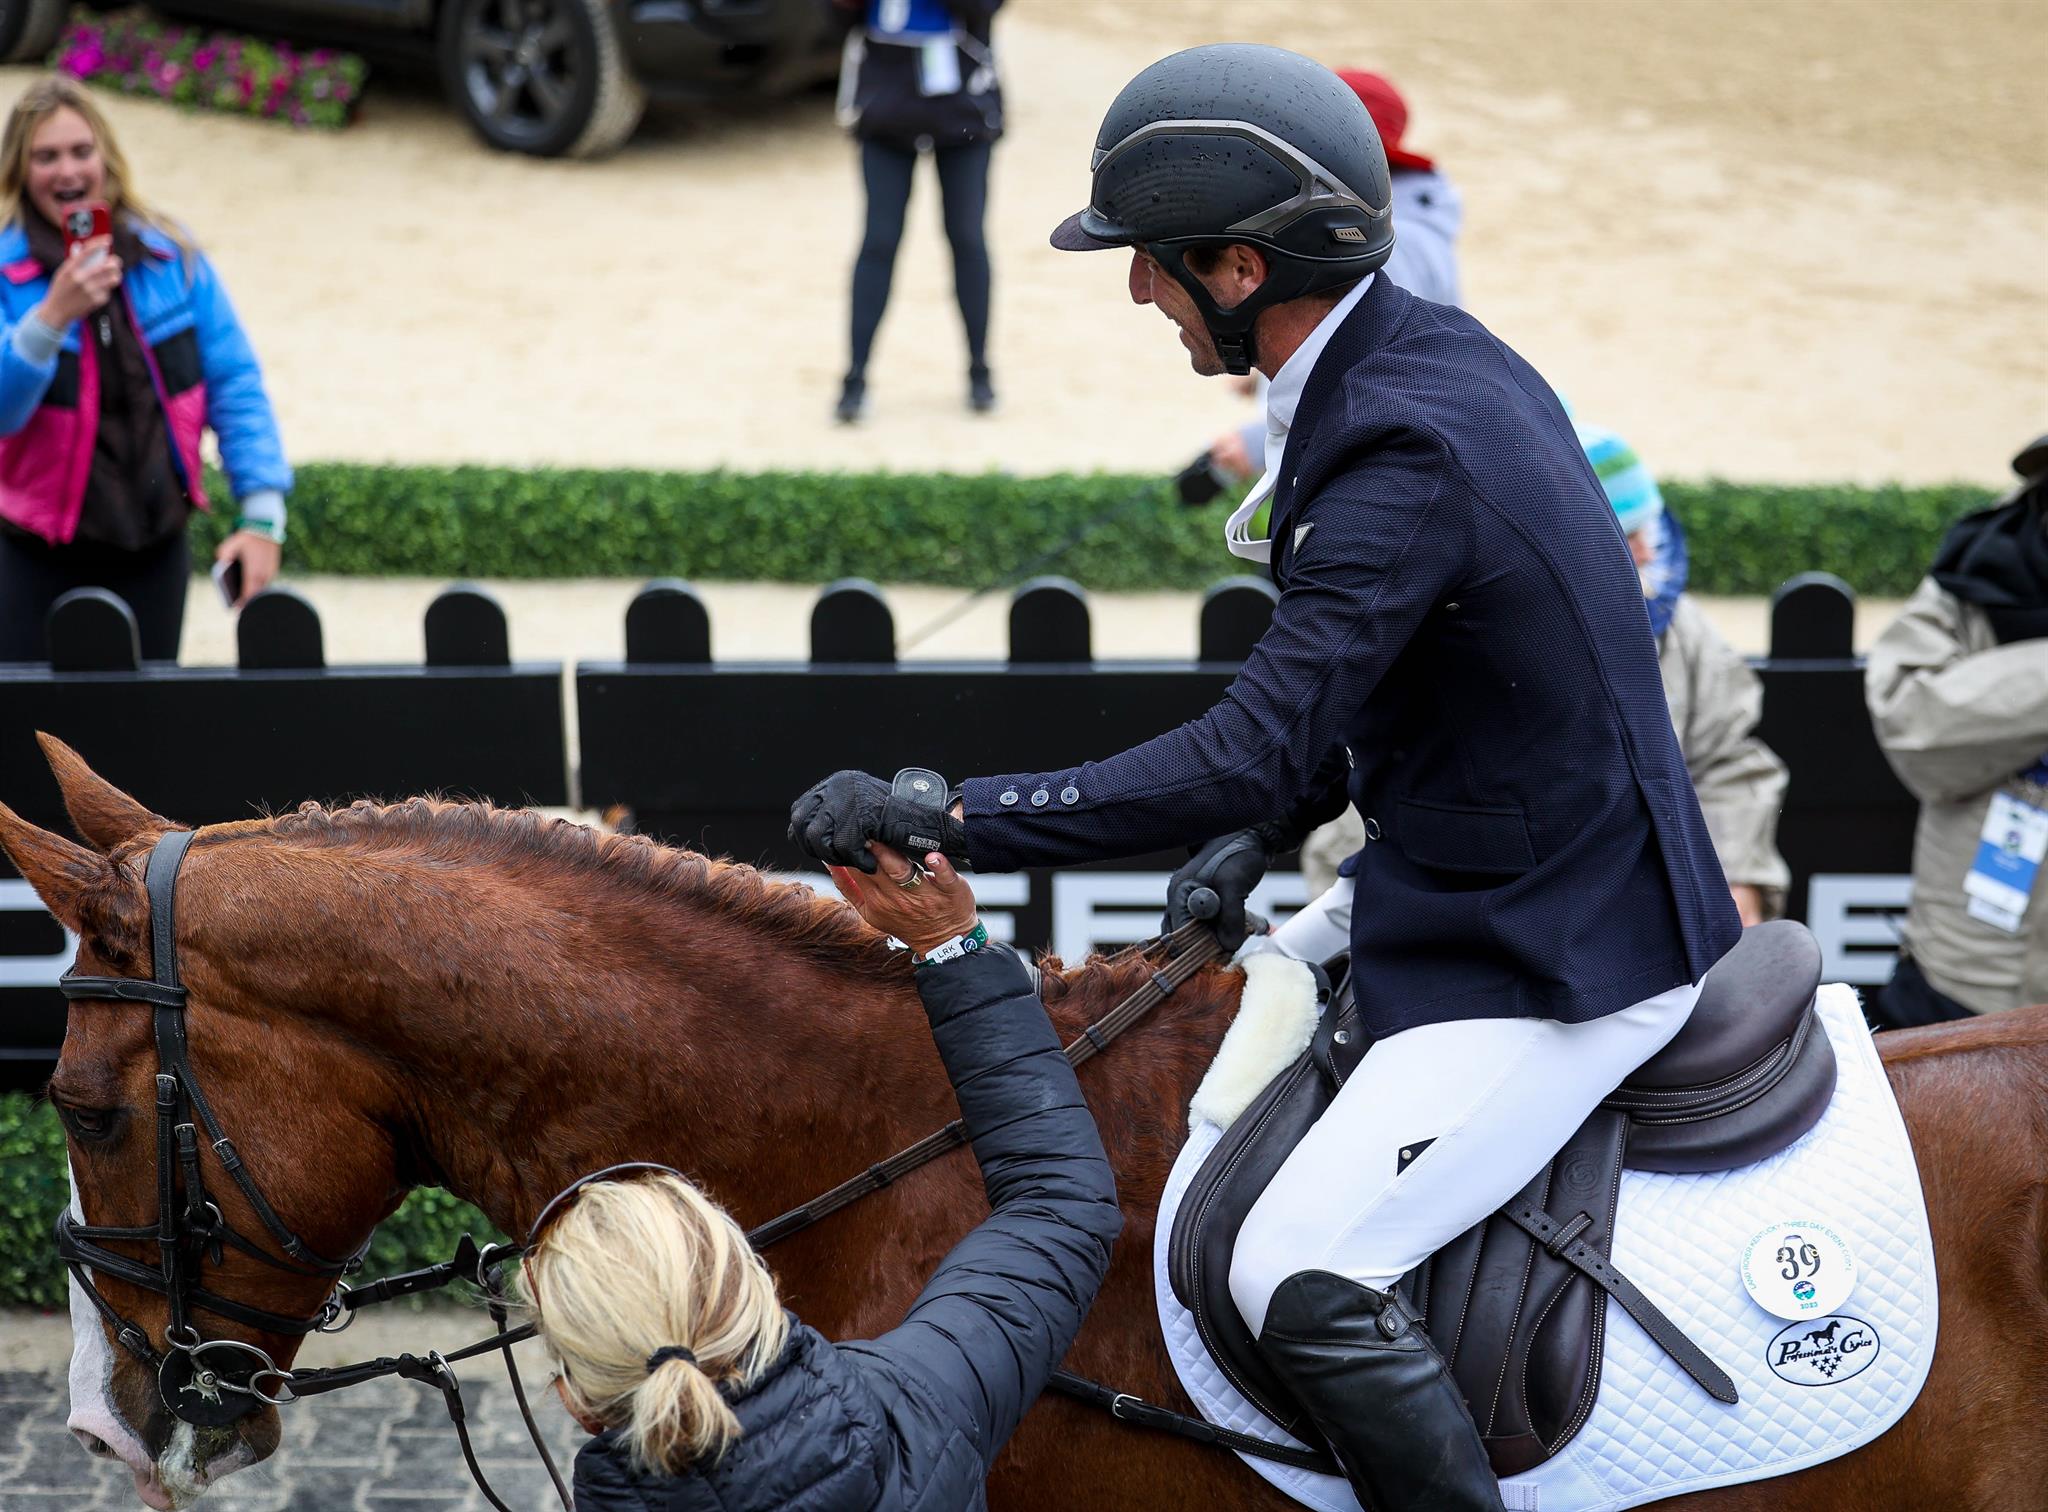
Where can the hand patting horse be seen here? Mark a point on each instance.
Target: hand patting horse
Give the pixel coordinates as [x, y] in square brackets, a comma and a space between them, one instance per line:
[432, 992]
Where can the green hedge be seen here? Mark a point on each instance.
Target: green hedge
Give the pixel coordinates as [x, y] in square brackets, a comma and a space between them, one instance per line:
[33, 1193]
[970, 530]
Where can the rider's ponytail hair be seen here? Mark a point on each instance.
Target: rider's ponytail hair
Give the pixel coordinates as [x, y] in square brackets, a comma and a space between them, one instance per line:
[659, 1312]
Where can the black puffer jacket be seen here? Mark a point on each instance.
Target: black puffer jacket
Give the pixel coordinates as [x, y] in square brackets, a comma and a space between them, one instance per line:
[909, 1422]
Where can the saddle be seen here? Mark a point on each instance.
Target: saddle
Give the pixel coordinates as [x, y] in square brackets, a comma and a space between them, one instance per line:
[1517, 1305]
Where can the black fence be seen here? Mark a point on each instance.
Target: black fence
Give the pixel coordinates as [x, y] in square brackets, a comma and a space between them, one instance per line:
[710, 753]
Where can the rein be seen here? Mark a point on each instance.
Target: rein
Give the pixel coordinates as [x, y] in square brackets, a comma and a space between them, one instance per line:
[198, 1391]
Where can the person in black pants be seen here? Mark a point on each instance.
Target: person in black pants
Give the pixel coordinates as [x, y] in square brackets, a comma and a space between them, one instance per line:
[702, 1391]
[920, 76]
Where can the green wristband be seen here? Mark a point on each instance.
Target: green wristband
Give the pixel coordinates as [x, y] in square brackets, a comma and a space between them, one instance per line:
[951, 950]
[270, 530]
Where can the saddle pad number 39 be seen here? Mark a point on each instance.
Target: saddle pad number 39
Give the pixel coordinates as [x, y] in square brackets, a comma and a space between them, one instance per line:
[1811, 1390]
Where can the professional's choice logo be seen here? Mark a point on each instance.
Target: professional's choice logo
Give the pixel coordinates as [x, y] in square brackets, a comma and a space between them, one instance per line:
[1800, 1268]
[1822, 1351]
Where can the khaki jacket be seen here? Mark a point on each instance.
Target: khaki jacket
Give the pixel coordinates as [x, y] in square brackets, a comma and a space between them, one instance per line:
[1959, 716]
[1715, 701]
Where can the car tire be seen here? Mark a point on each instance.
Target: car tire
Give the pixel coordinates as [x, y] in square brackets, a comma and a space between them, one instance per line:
[544, 77]
[30, 28]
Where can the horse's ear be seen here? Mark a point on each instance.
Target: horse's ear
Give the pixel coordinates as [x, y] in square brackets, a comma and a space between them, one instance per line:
[61, 872]
[104, 814]
[89, 894]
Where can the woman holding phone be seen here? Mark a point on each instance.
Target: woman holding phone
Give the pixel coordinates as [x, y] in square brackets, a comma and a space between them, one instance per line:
[117, 347]
[703, 1392]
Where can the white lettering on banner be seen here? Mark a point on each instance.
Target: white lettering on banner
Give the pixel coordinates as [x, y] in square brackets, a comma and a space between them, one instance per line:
[32, 970]
[1095, 910]
[1856, 919]
[996, 895]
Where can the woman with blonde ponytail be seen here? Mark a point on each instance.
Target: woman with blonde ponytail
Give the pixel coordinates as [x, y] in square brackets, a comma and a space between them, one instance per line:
[704, 1394]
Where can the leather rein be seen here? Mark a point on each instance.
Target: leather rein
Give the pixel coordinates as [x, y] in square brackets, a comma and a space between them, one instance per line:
[214, 1382]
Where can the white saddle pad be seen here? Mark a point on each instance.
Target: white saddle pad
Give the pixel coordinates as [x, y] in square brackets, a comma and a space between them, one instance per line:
[1653, 1433]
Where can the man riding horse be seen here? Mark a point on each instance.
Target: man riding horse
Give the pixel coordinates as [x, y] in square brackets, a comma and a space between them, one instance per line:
[1461, 647]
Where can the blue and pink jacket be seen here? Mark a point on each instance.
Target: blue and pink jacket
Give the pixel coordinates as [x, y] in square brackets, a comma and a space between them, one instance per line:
[201, 365]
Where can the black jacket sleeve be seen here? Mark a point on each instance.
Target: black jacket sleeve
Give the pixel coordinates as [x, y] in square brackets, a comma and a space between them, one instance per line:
[1000, 1312]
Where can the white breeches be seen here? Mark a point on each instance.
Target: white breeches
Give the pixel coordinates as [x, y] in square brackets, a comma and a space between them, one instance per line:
[1439, 1127]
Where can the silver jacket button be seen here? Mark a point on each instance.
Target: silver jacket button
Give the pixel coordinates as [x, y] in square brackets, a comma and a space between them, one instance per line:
[1070, 794]
[1008, 798]
[1040, 798]
[1372, 828]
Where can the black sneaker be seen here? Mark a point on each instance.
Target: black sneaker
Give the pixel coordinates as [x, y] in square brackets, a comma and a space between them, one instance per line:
[853, 400]
[981, 394]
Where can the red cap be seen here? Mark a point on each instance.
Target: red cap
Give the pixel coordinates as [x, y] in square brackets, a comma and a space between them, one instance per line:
[1389, 114]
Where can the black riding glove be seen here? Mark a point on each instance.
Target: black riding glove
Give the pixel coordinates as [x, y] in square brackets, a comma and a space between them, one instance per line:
[835, 819]
[1219, 877]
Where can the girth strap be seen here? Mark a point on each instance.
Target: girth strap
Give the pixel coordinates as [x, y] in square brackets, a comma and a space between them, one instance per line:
[1126, 1408]
[1561, 1240]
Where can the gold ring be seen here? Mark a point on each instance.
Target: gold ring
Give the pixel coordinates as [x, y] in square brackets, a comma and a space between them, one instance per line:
[910, 881]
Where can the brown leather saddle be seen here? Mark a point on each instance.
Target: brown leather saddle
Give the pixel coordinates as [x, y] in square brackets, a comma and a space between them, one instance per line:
[1517, 1305]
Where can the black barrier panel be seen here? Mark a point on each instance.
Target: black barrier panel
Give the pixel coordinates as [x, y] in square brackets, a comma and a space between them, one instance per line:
[711, 755]
[204, 745]
[851, 623]
[749, 738]
[92, 630]
[1235, 613]
[279, 629]
[466, 628]
[667, 622]
[1813, 617]
[1049, 622]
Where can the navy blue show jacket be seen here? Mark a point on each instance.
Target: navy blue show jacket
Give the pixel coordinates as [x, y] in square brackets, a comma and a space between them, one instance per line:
[1458, 610]
[910, 1422]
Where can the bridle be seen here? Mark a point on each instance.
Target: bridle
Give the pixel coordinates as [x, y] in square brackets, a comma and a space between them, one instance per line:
[191, 1385]
[197, 1388]
[214, 1382]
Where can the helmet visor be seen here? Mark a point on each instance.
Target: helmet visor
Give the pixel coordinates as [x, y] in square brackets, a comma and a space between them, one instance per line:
[1089, 231]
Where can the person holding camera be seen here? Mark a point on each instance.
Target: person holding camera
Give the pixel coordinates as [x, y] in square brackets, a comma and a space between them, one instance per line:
[920, 76]
[676, 1352]
[118, 346]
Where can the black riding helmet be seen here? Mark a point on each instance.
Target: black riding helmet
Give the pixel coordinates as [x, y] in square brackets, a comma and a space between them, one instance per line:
[1240, 143]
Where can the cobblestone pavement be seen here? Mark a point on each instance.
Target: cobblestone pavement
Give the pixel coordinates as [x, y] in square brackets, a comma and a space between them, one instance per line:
[383, 1447]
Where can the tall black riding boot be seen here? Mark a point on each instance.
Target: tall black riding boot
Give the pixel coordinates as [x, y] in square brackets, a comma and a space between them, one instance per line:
[1368, 1375]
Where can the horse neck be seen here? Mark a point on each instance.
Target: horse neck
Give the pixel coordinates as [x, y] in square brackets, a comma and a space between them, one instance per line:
[529, 1034]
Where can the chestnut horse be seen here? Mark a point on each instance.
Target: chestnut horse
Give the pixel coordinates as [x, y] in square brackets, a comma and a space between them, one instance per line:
[494, 1002]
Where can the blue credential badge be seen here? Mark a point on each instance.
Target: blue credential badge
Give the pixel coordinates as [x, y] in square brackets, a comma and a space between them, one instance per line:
[2010, 850]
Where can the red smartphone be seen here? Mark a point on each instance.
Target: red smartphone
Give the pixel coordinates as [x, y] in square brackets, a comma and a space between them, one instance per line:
[85, 222]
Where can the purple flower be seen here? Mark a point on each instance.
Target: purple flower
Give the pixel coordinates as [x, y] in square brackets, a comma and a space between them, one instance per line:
[203, 58]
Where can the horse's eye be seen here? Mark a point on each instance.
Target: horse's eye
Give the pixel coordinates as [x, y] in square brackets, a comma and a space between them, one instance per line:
[89, 1123]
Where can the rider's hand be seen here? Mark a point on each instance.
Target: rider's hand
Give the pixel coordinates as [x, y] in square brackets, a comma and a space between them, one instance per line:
[836, 819]
[82, 284]
[922, 912]
[1229, 866]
